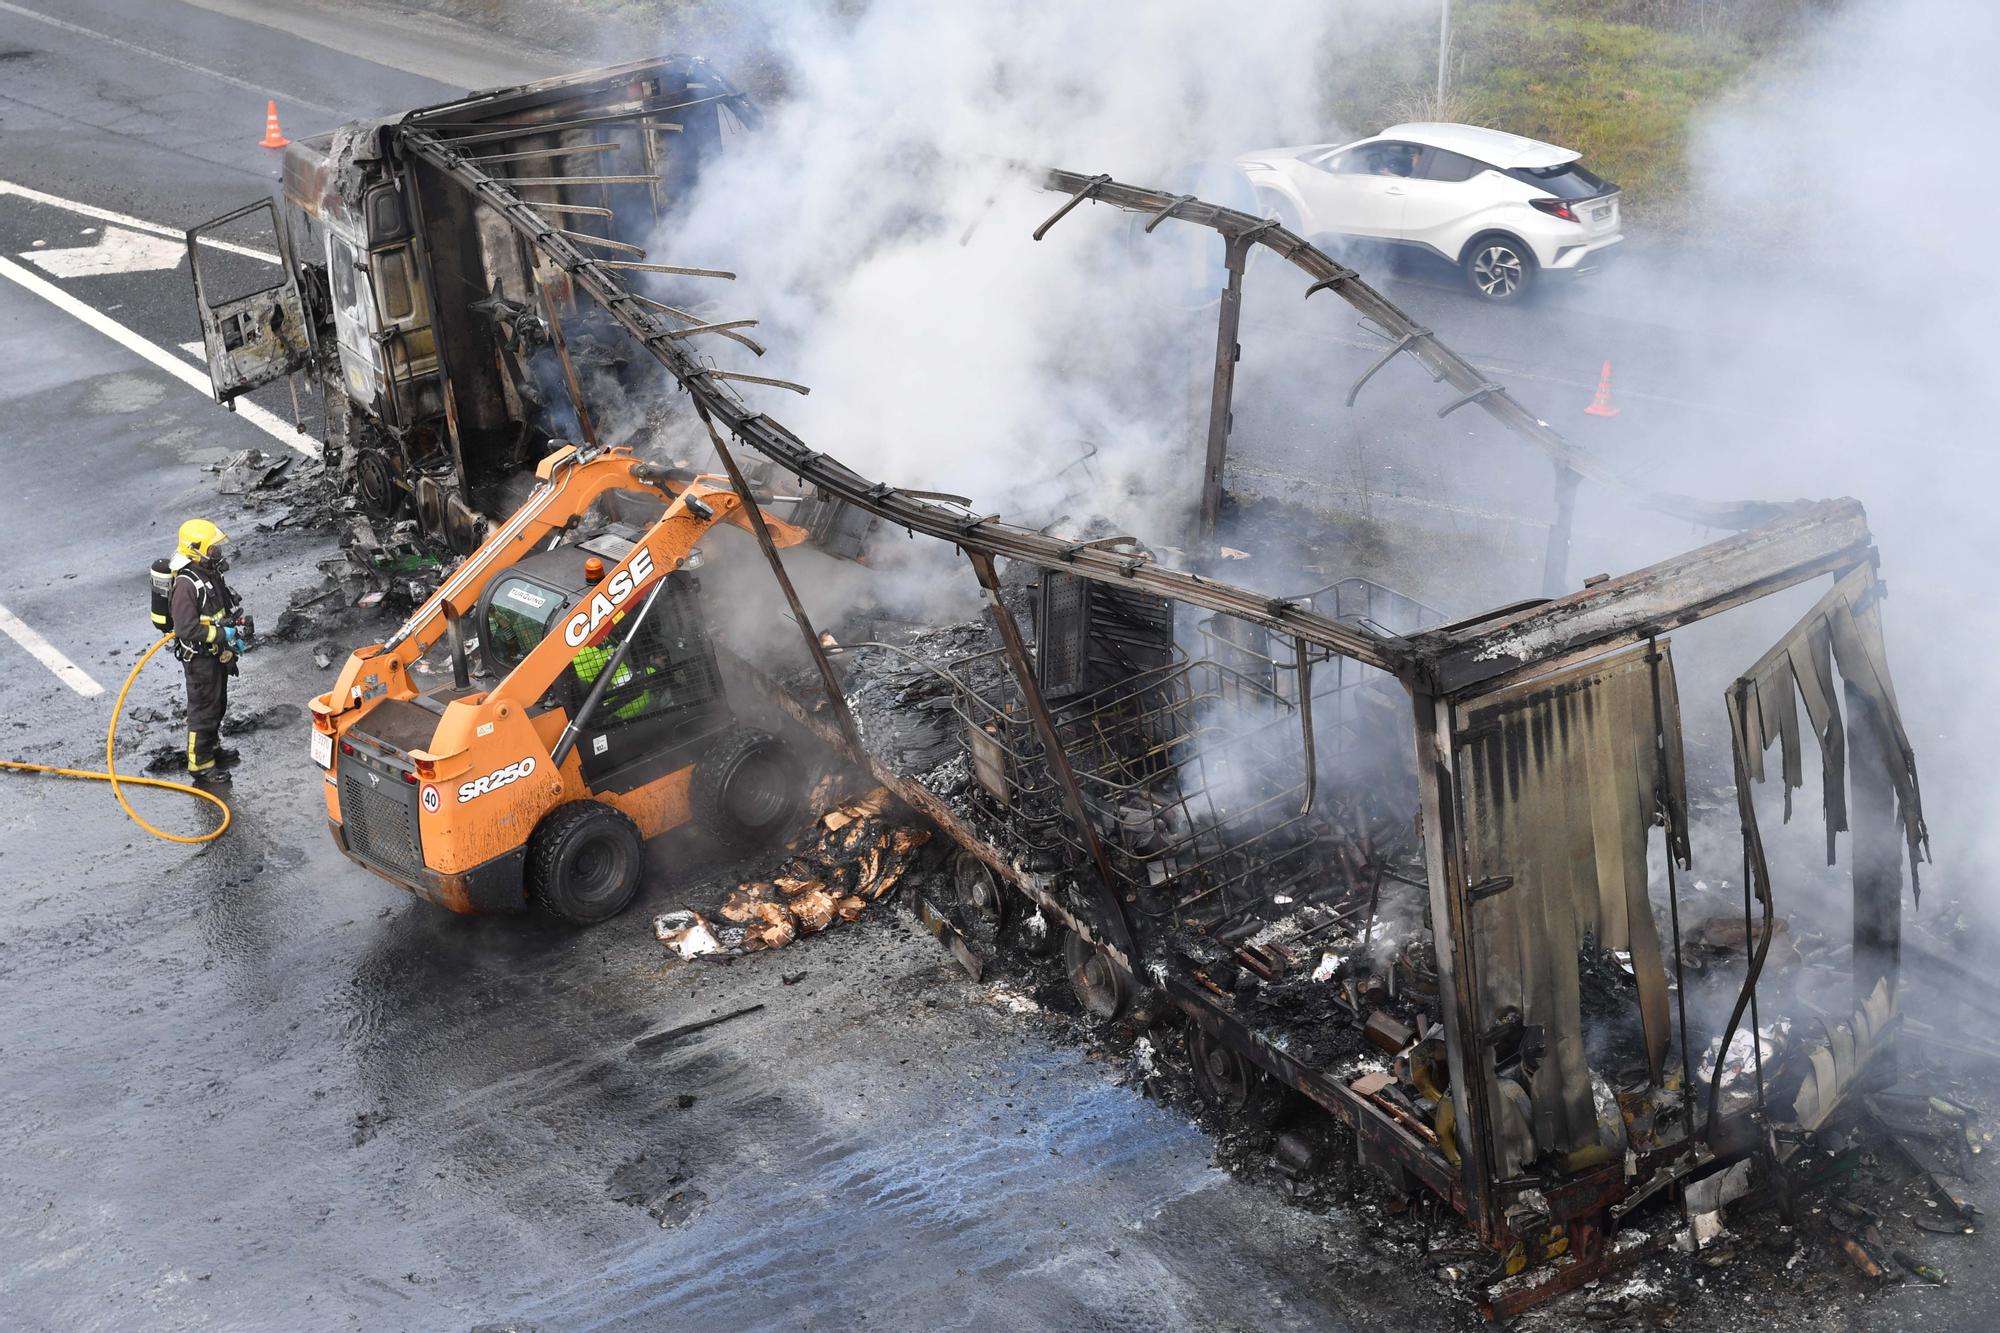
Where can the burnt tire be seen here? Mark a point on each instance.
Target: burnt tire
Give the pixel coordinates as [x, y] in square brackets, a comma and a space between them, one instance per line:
[746, 788]
[584, 861]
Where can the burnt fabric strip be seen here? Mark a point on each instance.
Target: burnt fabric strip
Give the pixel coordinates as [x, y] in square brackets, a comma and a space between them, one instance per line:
[1563, 785]
[1843, 629]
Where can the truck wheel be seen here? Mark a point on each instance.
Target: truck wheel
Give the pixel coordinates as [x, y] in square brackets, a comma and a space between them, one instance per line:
[1099, 983]
[980, 896]
[746, 788]
[583, 862]
[1231, 1085]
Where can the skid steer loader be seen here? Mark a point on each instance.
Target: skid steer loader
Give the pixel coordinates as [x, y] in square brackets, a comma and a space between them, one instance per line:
[599, 720]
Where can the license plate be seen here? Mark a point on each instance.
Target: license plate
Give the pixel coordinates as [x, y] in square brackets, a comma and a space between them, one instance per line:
[322, 749]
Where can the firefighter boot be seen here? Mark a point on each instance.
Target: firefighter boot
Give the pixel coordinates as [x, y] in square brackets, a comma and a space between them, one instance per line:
[205, 768]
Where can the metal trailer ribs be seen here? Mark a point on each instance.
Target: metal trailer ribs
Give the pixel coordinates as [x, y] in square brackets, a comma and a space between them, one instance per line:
[1446, 670]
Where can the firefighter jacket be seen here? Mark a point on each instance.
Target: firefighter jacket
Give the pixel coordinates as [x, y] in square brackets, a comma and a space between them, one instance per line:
[201, 603]
[590, 664]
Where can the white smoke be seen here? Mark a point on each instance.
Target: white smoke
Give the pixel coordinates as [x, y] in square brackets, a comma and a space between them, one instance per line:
[1838, 263]
[1820, 329]
[881, 223]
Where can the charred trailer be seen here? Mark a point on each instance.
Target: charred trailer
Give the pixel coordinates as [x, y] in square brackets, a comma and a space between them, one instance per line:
[450, 356]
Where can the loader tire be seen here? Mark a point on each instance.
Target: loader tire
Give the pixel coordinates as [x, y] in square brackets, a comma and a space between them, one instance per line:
[584, 861]
[745, 790]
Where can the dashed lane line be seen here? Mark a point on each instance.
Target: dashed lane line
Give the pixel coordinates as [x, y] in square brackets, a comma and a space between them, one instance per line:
[269, 422]
[161, 56]
[66, 671]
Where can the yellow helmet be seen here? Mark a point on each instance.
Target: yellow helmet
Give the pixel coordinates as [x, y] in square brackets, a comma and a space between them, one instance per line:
[199, 538]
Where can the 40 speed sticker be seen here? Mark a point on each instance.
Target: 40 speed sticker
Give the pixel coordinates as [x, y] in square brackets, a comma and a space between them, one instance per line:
[497, 779]
[430, 798]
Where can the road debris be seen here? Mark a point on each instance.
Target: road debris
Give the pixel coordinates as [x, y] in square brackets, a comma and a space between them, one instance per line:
[853, 855]
[654, 1040]
[686, 932]
[1911, 1264]
[251, 469]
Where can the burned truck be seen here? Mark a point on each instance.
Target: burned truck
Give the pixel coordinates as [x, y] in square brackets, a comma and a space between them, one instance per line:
[1426, 872]
[448, 356]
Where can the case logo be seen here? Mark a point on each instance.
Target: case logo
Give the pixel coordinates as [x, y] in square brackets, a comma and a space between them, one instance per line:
[617, 590]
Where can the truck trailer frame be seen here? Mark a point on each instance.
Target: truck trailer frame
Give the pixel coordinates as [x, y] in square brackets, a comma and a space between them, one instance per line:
[1510, 715]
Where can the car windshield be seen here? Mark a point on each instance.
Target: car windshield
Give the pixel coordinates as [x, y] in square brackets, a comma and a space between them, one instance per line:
[1568, 181]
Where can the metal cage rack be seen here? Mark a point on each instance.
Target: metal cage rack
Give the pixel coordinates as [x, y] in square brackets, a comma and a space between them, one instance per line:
[1343, 689]
[1192, 775]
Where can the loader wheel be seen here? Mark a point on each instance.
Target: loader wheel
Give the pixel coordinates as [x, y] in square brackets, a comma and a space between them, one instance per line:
[746, 788]
[583, 862]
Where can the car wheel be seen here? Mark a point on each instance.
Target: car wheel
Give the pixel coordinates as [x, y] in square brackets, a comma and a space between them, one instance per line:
[583, 862]
[746, 788]
[1274, 205]
[1231, 1085]
[1499, 269]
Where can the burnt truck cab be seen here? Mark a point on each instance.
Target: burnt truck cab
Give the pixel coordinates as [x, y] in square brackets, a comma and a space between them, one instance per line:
[597, 718]
[438, 408]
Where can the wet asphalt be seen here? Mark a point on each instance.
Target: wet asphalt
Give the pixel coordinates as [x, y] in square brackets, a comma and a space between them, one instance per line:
[252, 1086]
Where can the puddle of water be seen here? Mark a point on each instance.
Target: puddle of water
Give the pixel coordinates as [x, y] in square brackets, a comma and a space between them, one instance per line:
[122, 393]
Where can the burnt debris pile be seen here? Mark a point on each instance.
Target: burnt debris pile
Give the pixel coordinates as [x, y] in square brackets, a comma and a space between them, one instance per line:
[851, 855]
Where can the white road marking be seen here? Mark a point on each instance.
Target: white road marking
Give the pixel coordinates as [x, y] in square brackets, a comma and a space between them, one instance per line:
[175, 61]
[116, 250]
[269, 422]
[66, 671]
[127, 220]
[196, 350]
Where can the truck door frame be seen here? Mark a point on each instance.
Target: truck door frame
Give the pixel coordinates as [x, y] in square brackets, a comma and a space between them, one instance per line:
[287, 307]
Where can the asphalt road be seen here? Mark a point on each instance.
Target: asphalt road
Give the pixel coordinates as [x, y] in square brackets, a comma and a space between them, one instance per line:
[252, 1086]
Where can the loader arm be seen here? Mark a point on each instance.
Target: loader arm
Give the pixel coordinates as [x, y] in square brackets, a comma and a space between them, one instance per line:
[571, 482]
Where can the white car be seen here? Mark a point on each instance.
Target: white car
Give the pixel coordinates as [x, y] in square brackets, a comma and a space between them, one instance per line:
[1503, 208]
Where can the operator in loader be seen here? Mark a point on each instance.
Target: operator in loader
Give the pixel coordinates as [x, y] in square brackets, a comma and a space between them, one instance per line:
[589, 664]
[210, 633]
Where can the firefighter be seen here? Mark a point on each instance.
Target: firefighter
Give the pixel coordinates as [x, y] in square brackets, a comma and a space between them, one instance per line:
[208, 637]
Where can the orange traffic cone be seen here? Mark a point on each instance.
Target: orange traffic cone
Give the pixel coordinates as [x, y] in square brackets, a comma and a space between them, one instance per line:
[1600, 406]
[273, 136]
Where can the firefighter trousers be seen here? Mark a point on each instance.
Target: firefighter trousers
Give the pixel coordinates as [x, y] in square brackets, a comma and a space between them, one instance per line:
[207, 700]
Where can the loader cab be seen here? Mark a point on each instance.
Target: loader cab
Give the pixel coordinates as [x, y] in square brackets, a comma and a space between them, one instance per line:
[666, 700]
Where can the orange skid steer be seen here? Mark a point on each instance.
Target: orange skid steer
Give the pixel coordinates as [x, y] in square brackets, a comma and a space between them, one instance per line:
[599, 721]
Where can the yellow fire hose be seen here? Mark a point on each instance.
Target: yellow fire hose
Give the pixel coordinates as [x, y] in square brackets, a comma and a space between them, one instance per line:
[110, 773]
